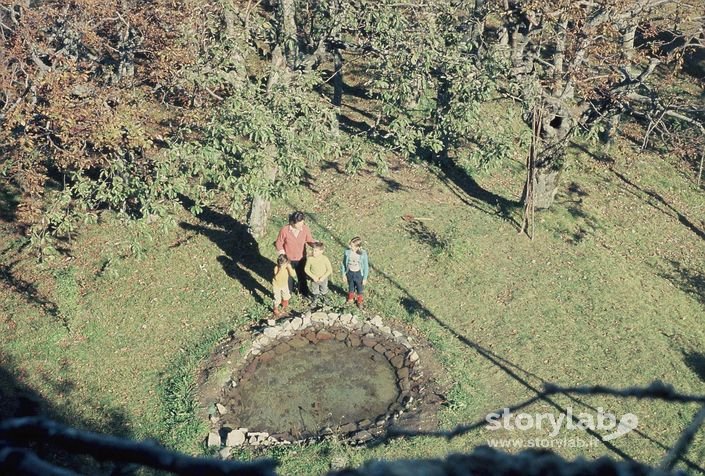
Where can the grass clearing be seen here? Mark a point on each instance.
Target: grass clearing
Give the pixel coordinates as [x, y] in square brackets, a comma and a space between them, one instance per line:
[610, 292]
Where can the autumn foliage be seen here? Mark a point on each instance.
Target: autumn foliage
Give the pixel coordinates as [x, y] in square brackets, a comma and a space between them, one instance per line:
[90, 88]
[126, 104]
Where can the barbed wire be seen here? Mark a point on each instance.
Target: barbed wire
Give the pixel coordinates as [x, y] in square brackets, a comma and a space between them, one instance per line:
[15, 433]
[684, 441]
[488, 461]
[655, 391]
[18, 434]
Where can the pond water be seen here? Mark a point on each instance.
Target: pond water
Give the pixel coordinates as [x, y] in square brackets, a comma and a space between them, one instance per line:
[326, 384]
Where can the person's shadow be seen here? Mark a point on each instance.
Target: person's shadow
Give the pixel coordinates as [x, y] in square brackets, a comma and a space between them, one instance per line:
[242, 257]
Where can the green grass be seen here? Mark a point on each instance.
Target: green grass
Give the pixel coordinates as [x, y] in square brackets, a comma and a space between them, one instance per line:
[608, 293]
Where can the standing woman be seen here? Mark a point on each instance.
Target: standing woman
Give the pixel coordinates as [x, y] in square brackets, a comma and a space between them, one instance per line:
[292, 241]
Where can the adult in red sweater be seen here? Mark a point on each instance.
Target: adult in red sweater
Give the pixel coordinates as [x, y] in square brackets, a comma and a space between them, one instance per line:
[292, 241]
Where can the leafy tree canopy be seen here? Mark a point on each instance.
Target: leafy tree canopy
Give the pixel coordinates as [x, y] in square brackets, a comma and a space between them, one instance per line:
[126, 104]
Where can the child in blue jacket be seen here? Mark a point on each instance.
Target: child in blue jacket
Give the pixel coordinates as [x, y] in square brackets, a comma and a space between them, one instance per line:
[355, 269]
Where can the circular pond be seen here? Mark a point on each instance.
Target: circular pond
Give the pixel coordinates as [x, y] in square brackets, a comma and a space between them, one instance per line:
[302, 390]
[315, 375]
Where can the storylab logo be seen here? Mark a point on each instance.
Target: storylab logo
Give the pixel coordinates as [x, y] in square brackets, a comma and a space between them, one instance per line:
[604, 423]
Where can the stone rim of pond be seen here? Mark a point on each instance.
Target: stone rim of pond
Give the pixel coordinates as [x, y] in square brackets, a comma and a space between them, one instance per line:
[309, 329]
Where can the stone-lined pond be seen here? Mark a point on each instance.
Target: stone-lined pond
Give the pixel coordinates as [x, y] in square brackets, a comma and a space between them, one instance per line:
[302, 390]
[315, 375]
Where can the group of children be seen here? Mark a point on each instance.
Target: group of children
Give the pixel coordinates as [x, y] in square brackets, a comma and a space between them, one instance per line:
[355, 268]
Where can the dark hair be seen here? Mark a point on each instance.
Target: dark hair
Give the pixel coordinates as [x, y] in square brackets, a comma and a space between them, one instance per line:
[296, 217]
[318, 245]
[355, 241]
[282, 259]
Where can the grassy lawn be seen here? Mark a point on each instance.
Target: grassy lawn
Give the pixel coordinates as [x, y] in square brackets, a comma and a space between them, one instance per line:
[611, 291]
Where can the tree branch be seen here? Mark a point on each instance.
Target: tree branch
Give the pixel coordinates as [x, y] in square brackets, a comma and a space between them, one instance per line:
[105, 447]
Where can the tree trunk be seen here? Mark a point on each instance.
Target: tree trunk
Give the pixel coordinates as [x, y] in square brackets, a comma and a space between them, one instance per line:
[259, 215]
[558, 58]
[236, 31]
[288, 37]
[545, 187]
[518, 26]
[555, 129]
[126, 63]
[518, 42]
[628, 42]
[278, 71]
[611, 128]
[503, 32]
[478, 27]
[338, 78]
[260, 207]
[261, 203]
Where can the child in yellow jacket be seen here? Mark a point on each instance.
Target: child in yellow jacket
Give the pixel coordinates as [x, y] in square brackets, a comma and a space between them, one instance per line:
[280, 285]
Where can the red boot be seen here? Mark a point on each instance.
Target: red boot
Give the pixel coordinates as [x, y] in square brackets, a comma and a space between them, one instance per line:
[359, 301]
[351, 298]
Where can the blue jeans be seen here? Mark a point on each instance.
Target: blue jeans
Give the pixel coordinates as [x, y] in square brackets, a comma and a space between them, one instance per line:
[355, 282]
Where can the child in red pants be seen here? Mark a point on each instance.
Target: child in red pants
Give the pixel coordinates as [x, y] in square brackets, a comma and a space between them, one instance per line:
[355, 269]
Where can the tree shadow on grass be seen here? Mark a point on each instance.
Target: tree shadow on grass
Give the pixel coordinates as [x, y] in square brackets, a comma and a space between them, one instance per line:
[690, 281]
[360, 111]
[466, 188]
[529, 380]
[242, 259]
[28, 291]
[20, 400]
[392, 185]
[356, 91]
[600, 157]
[523, 377]
[652, 198]
[695, 361]
[331, 165]
[585, 224]
[659, 203]
[437, 244]
[415, 308]
[352, 126]
[420, 232]
[8, 203]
